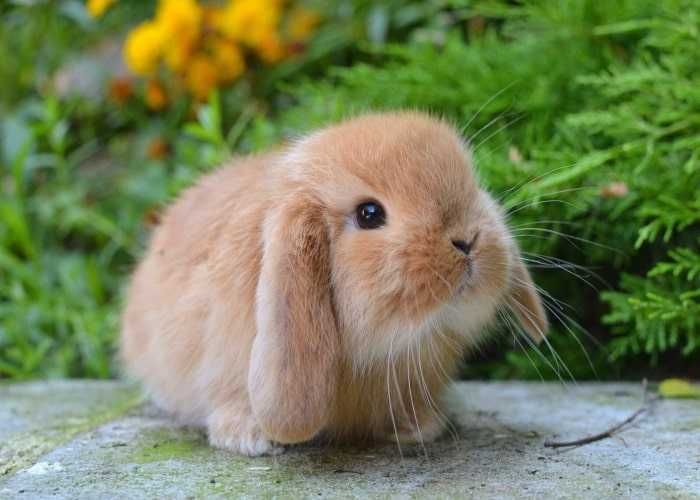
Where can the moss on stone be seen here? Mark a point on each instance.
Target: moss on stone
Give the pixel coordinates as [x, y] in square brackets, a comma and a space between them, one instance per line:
[55, 413]
[170, 444]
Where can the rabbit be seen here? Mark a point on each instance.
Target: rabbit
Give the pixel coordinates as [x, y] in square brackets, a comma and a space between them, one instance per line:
[326, 290]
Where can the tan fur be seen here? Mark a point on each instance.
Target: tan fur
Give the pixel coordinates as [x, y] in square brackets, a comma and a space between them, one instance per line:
[262, 312]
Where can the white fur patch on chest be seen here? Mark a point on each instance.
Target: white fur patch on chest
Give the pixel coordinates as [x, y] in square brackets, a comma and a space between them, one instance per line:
[467, 319]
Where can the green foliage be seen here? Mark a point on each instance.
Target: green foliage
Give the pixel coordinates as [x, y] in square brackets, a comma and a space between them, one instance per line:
[656, 102]
[72, 223]
[584, 117]
[54, 249]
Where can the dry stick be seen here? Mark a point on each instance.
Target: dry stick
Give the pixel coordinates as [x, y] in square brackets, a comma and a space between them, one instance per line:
[596, 437]
[607, 433]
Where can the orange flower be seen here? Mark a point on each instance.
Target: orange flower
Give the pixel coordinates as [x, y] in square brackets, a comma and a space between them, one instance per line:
[152, 217]
[302, 23]
[228, 59]
[271, 49]
[201, 76]
[120, 89]
[212, 15]
[178, 53]
[156, 97]
[614, 190]
[157, 149]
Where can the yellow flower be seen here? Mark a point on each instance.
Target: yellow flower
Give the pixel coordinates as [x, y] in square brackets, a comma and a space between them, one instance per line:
[144, 47]
[180, 17]
[181, 20]
[98, 7]
[302, 23]
[250, 21]
[156, 97]
[270, 48]
[228, 59]
[201, 76]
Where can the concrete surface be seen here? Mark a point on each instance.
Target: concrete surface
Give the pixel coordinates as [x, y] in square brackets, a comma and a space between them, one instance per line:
[86, 439]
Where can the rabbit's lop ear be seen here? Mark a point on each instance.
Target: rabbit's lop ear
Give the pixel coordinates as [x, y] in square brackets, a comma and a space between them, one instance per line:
[294, 360]
[524, 301]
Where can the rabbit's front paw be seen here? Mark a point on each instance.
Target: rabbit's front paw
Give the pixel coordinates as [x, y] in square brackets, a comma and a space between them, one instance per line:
[409, 433]
[235, 430]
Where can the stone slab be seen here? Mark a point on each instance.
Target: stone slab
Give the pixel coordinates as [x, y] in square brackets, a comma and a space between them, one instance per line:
[35, 417]
[497, 452]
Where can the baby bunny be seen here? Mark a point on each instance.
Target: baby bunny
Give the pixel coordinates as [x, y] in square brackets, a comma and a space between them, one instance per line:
[326, 290]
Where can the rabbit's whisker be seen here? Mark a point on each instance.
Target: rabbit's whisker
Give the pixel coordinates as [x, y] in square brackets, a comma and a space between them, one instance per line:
[512, 208]
[432, 357]
[510, 122]
[518, 187]
[427, 396]
[556, 261]
[483, 106]
[388, 393]
[555, 355]
[526, 205]
[493, 120]
[566, 270]
[410, 397]
[513, 330]
[517, 329]
[569, 237]
[573, 335]
[543, 222]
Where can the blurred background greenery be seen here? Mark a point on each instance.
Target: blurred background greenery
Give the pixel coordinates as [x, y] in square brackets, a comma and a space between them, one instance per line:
[584, 116]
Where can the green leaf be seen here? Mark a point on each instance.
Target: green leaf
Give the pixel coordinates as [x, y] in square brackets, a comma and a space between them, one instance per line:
[678, 388]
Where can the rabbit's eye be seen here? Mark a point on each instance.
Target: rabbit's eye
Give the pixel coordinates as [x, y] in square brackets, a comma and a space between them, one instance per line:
[370, 215]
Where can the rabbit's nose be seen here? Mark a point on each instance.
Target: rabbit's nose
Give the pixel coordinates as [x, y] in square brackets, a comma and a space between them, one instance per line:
[462, 246]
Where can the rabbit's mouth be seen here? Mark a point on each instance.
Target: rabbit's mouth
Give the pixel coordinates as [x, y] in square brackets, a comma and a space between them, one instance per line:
[465, 280]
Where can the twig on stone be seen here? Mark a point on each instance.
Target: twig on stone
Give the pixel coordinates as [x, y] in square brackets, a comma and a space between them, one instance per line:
[607, 433]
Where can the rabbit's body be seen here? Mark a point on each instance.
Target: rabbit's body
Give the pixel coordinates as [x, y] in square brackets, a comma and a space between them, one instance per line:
[255, 314]
[171, 326]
